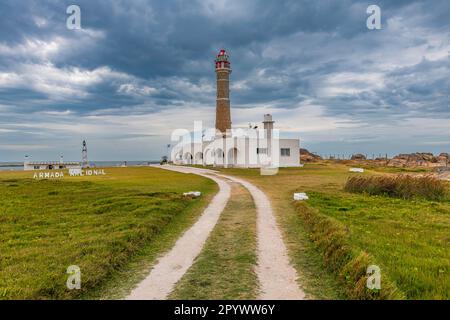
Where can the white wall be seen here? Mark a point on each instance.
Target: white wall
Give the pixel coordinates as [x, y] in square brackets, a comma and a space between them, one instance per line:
[294, 159]
[245, 158]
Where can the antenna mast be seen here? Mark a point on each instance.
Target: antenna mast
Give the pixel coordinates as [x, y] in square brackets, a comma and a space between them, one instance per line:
[84, 157]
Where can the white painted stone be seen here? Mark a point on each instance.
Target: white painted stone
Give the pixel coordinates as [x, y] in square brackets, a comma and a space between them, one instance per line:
[300, 196]
[193, 193]
[356, 170]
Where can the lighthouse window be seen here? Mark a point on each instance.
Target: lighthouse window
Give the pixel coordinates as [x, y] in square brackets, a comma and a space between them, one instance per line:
[285, 152]
[261, 150]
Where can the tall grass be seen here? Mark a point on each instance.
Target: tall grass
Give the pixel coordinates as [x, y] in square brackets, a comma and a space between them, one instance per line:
[400, 186]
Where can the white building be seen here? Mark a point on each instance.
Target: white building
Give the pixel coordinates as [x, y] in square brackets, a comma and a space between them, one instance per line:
[246, 148]
[249, 148]
[49, 165]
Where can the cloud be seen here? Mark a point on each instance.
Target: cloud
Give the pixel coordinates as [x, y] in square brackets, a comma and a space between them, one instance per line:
[139, 69]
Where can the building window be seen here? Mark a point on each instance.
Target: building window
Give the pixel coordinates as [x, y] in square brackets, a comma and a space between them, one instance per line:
[37, 167]
[285, 152]
[261, 150]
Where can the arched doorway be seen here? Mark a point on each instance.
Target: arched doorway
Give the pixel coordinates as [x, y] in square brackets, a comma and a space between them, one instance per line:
[232, 157]
[188, 158]
[208, 157]
[219, 156]
[199, 158]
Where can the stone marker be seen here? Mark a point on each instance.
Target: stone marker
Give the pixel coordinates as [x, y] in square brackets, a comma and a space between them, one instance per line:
[193, 193]
[300, 196]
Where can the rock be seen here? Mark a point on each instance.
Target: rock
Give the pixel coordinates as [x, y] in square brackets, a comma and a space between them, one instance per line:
[192, 194]
[418, 159]
[443, 158]
[358, 156]
[300, 196]
[306, 156]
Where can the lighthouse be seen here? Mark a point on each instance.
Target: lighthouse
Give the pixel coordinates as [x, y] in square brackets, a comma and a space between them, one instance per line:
[246, 148]
[223, 114]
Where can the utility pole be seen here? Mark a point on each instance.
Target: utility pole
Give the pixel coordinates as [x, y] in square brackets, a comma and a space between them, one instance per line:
[168, 152]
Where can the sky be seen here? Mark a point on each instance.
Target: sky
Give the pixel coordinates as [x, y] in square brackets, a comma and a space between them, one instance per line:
[137, 70]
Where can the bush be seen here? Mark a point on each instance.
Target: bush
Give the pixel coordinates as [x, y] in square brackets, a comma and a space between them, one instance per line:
[401, 186]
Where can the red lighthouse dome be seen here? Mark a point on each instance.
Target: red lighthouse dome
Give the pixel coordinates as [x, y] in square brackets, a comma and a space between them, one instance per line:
[222, 61]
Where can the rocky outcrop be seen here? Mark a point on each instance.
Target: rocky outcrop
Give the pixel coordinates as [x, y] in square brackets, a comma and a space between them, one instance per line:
[443, 158]
[358, 156]
[306, 156]
[418, 159]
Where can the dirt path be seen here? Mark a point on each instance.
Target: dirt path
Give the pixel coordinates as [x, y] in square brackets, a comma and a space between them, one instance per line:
[225, 269]
[277, 277]
[174, 264]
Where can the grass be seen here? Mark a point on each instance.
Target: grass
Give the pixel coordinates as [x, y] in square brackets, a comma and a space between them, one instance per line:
[400, 186]
[408, 239]
[101, 224]
[225, 267]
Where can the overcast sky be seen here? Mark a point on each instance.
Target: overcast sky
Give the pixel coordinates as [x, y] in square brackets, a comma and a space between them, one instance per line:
[140, 69]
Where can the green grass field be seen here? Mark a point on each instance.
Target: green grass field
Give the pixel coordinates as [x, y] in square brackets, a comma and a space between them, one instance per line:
[97, 223]
[114, 227]
[408, 239]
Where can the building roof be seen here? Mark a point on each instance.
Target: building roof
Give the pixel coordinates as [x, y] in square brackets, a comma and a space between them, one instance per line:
[52, 163]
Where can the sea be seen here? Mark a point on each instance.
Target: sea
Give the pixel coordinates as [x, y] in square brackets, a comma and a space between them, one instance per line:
[18, 166]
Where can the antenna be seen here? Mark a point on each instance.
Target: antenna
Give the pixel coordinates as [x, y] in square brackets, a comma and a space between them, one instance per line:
[84, 157]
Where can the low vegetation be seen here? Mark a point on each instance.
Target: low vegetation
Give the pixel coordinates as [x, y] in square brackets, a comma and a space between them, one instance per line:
[342, 258]
[407, 238]
[98, 224]
[400, 186]
[225, 269]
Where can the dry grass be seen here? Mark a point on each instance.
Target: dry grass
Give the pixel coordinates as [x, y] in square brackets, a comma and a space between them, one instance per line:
[400, 186]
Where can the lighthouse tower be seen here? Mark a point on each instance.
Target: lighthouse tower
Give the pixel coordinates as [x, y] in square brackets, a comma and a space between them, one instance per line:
[223, 70]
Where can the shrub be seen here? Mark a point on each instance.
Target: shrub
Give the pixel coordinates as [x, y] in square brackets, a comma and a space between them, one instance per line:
[401, 186]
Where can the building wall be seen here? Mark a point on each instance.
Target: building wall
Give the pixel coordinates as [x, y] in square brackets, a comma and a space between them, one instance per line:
[294, 159]
[236, 152]
[49, 166]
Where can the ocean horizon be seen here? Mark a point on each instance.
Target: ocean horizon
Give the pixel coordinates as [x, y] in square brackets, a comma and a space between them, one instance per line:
[17, 166]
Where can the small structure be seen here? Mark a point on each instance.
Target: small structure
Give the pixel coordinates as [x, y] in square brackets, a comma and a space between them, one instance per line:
[299, 196]
[84, 156]
[49, 165]
[359, 170]
[192, 194]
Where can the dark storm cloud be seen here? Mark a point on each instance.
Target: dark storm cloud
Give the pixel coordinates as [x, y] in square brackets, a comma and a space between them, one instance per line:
[146, 57]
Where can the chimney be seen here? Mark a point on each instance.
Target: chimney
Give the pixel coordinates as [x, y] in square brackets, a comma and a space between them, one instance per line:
[268, 128]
